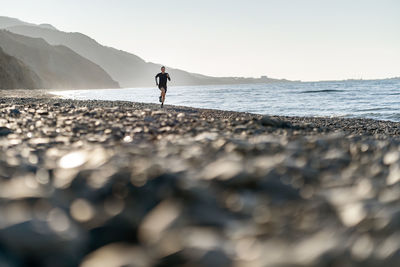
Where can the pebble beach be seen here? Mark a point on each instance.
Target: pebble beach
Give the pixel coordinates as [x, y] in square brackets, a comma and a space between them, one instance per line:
[113, 183]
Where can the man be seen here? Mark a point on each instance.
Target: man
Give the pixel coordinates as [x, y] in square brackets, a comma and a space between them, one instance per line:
[162, 84]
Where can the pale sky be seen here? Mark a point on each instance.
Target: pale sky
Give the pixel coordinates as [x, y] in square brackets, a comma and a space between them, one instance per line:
[295, 39]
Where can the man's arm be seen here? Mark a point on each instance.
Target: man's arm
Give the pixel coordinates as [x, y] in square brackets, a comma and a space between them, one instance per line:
[156, 79]
[169, 78]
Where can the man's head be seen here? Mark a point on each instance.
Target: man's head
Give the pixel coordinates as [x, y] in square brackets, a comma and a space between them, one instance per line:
[162, 69]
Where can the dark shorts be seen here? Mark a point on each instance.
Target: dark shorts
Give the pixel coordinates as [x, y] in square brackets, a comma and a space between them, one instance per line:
[163, 86]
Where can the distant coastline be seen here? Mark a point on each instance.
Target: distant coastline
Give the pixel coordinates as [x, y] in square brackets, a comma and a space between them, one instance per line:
[354, 80]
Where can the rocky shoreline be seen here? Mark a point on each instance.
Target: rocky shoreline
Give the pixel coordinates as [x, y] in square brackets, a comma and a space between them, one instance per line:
[100, 183]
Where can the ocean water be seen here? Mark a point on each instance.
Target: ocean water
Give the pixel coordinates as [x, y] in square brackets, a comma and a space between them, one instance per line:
[376, 99]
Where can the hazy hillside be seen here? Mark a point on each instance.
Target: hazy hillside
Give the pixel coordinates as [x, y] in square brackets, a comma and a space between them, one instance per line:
[9, 22]
[14, 74]
[128, 69]
[57, 66]
[6, 22]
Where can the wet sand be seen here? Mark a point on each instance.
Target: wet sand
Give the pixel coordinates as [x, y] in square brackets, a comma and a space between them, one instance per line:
[101, 183]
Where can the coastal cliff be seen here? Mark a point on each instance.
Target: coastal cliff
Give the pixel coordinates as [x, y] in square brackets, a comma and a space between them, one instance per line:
[57, 66]
[14, 74]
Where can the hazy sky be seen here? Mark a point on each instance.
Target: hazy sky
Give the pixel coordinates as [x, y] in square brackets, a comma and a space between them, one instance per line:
[294, 39]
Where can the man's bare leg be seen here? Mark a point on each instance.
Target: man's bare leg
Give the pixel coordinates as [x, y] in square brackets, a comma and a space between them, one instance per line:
[162, 96]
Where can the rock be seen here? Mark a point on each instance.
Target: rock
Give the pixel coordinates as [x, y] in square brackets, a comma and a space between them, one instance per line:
[42, 112]
[44, 246]
[4, 131]
[268, 121]
[15, 112]
[148, 119]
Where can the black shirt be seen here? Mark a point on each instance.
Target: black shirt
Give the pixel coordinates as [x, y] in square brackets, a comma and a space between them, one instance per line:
[163, 80]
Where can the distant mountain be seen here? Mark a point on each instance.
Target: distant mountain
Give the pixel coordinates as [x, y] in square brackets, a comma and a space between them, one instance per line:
[128, 69]
[9, 22]
[14, 74]
[6, 22]
[47, 26]
[58, 66]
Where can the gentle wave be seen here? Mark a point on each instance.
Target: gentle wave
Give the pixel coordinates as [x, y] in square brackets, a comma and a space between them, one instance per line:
[321, 91]
[375, 109]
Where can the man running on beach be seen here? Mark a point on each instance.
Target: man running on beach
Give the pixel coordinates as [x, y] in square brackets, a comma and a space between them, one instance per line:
[162, 84]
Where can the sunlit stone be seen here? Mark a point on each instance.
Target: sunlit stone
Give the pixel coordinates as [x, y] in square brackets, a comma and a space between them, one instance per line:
[14, 213]
[202, 238]
[158, 220]
[58, 220]
[96, 158]
[64, 177]
[81, 210]
[117, 255]
[248, 249]
[20, 187]
[127, 139]
[391, 157]
[394, 175]
[33, 159]
[31, 182]
[222, 169]
[352, 214]
[73, 160]
[362, 248]
[42, 176]
[314, 246]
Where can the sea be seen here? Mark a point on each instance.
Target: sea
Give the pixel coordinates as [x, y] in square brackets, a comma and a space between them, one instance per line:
[376, 99]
